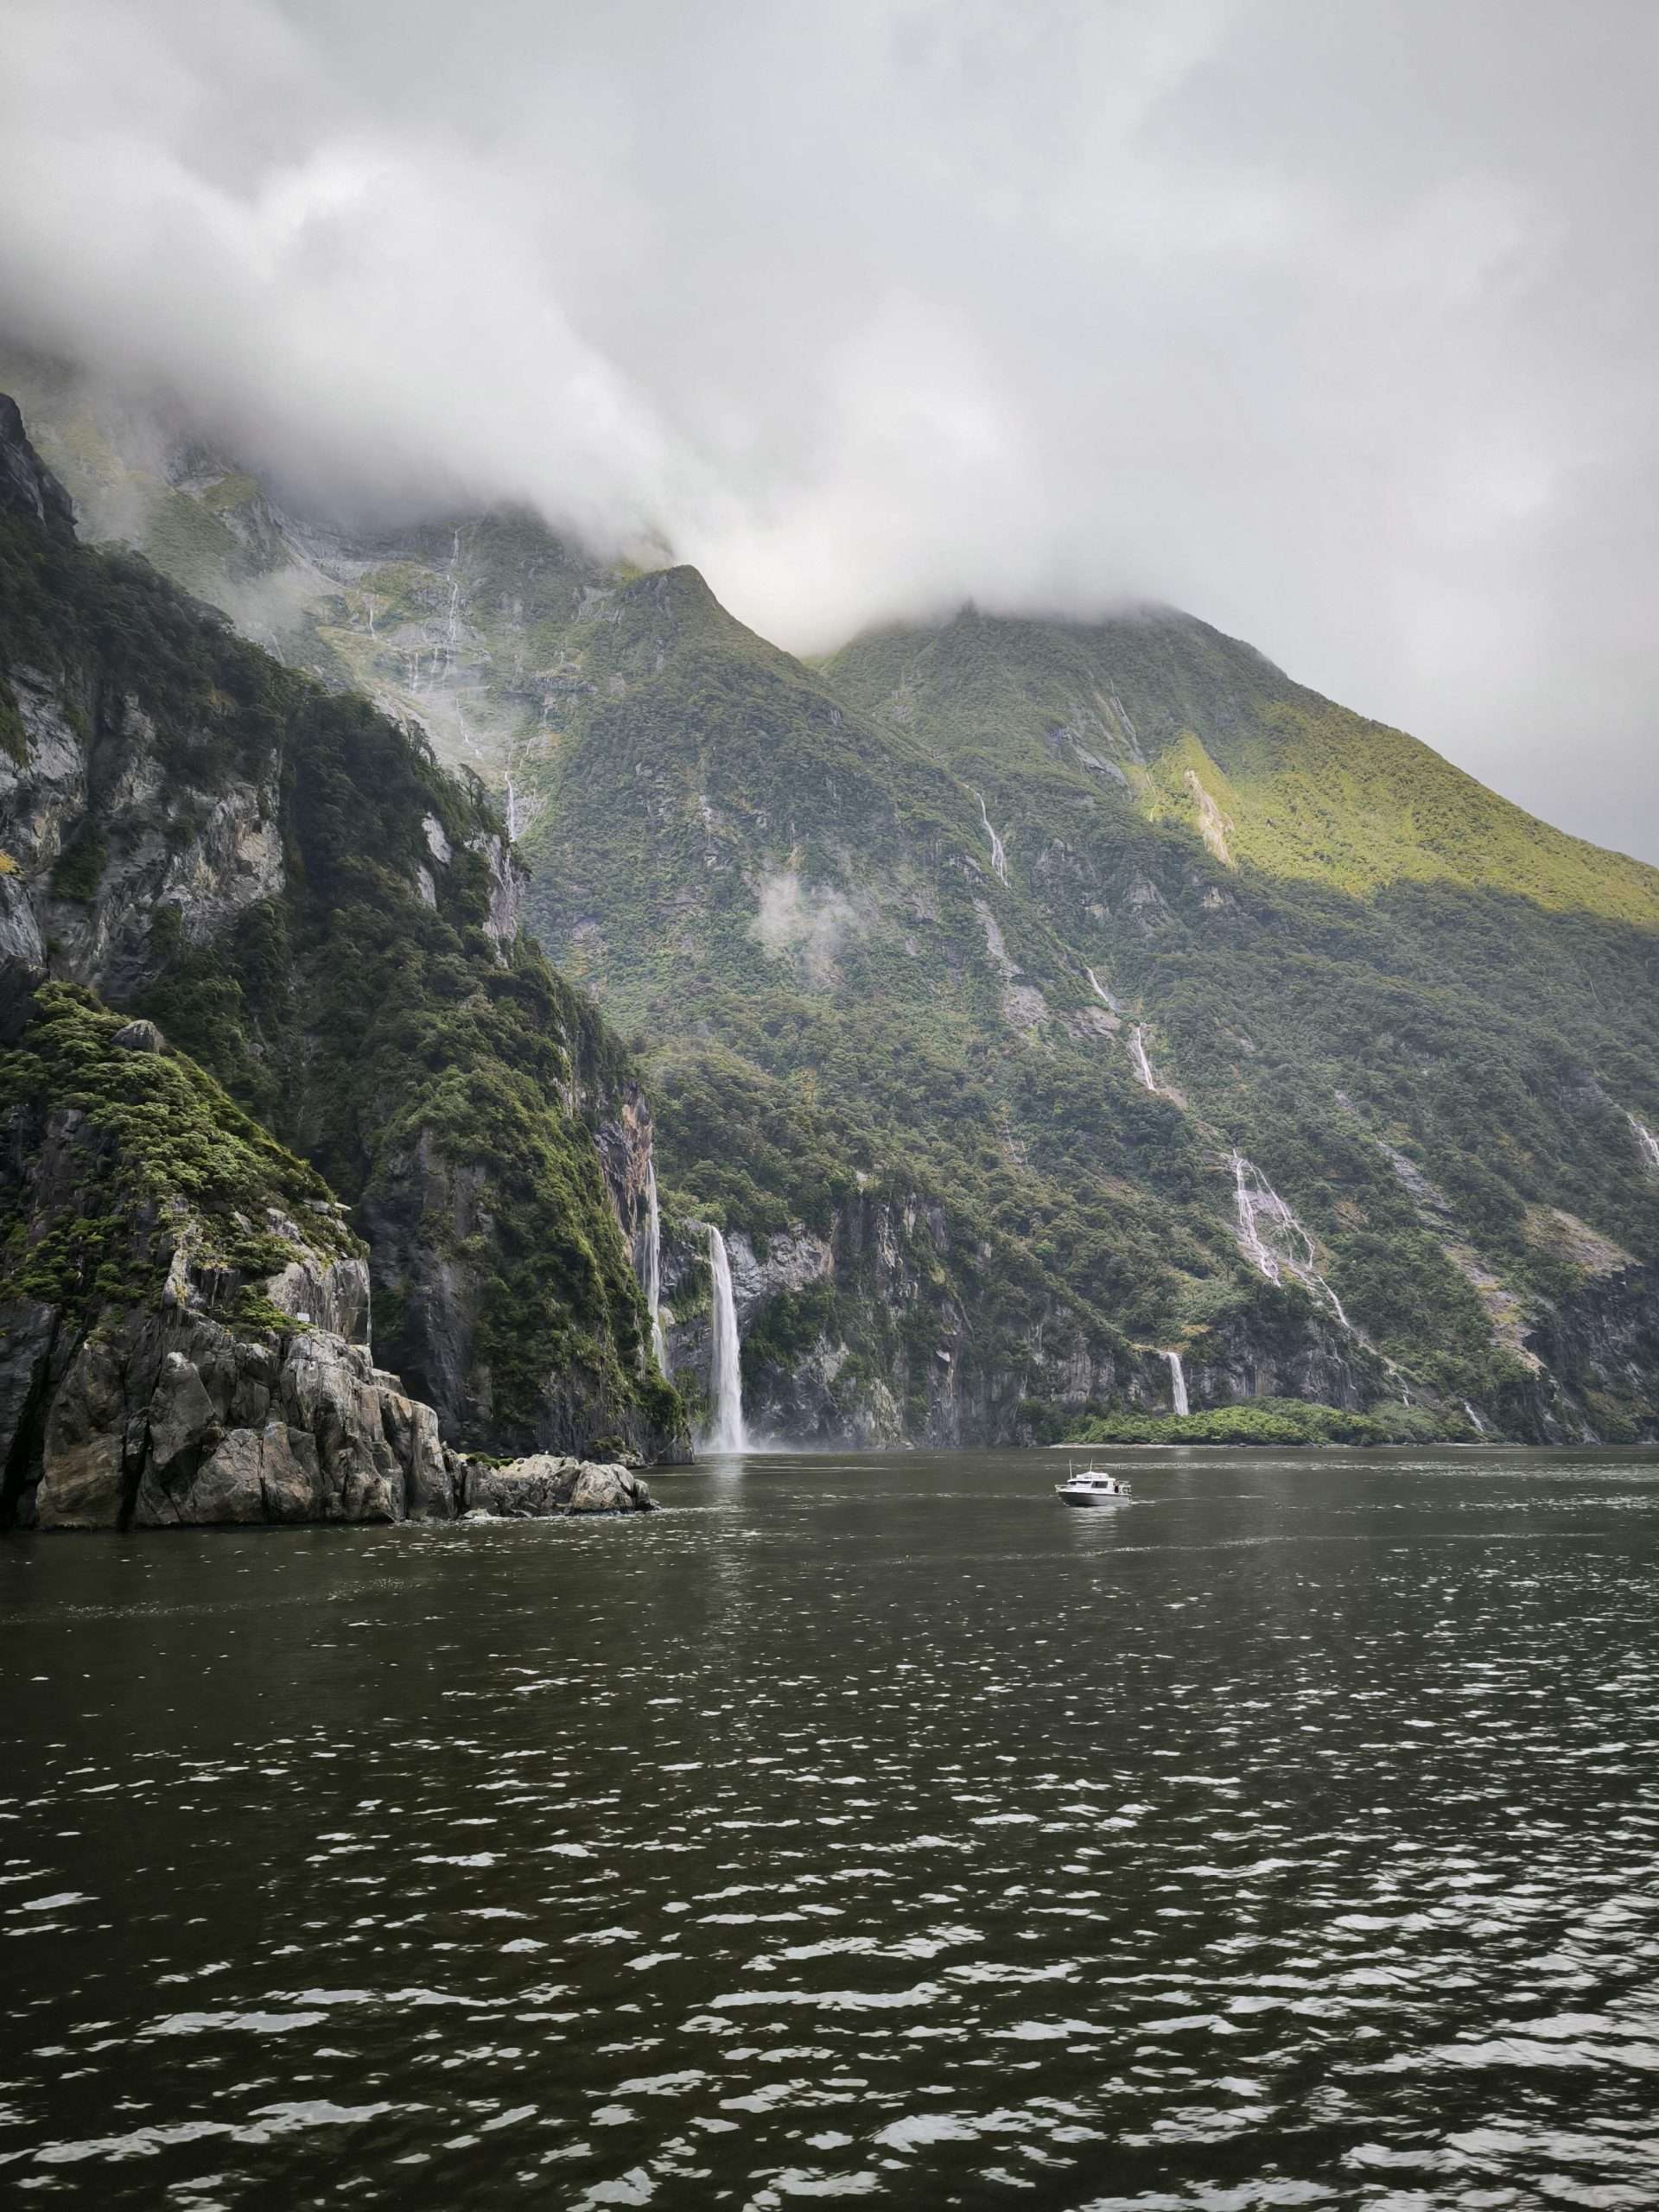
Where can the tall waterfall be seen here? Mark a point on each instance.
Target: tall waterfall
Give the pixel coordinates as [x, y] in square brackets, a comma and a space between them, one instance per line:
[1178, 1381]
[1646, 1138]
[726, 1429]
[1101, 991]
[998, 857]
[1138, 1054]
[1272, 1239]
[654, 1266]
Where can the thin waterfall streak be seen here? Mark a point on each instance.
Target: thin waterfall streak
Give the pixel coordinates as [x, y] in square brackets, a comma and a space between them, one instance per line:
[654, 1267]
[1245, 1202]
[1177, 1382]
[726, 1430]
[999, 855]
[1273, 1251]
[1138, 1054]
[1100, 990]
[1645, 1139]
[1475, 1421]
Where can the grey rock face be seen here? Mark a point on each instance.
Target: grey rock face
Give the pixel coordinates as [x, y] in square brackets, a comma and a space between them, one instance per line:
[422, 1213]
[139, 1037]
[171, 1419]
[27, 487]
[544, 1484]
[863, 1387]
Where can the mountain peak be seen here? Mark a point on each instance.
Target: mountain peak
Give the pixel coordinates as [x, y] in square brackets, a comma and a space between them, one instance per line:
[27, 485]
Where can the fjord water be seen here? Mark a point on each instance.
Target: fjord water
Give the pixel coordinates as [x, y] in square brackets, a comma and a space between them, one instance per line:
[873, 1828]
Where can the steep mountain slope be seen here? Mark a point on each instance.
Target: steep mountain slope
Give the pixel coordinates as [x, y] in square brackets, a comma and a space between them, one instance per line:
[965, 964]
[971, 972]
[327, 923]
[457, 623]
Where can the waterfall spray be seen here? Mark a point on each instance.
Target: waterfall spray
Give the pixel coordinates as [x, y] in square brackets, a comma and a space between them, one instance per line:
[726, 1429]
[654, 1266]
[1177, 1382]
[1645, 1139]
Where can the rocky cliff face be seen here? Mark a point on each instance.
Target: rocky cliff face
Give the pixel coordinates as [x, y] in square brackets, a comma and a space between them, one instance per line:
[187, 1337]
[858, 1340]
[1595, 1349]
[326, 922]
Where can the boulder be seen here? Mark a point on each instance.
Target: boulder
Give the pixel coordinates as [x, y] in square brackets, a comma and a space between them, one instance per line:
[180, 1414]
[226, 1487]
[412, 1430]
[139, 1037]
[327, 1388]
[544, 1484]
[524, 1489]
[602, 1489]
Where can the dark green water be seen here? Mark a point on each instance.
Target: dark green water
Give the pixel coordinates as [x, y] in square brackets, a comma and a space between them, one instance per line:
[869, 1828]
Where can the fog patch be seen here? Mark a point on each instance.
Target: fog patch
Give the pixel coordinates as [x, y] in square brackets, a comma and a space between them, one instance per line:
[808, 924]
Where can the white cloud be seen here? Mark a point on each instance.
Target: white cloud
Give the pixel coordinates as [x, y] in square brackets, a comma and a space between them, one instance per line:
[1332, 324]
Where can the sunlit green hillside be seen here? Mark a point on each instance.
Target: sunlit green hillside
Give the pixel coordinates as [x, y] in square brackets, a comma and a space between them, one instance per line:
[1169, 716]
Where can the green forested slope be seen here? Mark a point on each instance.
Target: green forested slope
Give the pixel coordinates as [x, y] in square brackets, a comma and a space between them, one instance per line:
[1429, 1019]
[781, 880]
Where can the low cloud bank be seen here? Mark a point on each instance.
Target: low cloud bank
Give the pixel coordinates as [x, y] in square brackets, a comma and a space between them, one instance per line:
[1332, 324]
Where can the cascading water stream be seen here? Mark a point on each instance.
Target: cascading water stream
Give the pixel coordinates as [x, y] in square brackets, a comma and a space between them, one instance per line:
[1101, 991]
[1138, 1054]
[998, 857]
[726, 1429]
[1644, 1137]
[654, 1266]
[1177, 1382]
[1274, 1253]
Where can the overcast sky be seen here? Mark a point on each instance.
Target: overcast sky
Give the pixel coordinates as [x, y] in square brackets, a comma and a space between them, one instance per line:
[1332, 321]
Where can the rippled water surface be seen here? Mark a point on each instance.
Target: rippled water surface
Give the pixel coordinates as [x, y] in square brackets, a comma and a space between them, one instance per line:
[869, 1828]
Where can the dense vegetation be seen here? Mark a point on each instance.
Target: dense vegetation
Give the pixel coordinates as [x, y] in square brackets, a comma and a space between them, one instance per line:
[161, 1152]
[781, 882]
[373, 1011]
[1280, 1421]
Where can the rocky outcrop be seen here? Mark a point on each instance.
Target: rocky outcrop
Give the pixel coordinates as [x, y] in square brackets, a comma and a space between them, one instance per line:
[1268, 1352]
[624, 1141]
[859, 1339]
[543, 1486]
[27, 487]
[174, 1419]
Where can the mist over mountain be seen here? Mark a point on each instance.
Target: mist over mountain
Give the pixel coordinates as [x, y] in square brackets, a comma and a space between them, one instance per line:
[1333, 328]
[1040, 1017]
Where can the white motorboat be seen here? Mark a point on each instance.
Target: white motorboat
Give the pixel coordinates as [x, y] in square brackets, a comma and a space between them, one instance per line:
[1091, 1487]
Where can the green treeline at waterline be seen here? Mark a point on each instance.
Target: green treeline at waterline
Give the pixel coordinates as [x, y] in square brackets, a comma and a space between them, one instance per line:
[1276, 1421]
